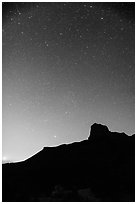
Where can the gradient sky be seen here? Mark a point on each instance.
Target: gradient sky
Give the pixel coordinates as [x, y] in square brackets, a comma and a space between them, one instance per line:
[65, 66]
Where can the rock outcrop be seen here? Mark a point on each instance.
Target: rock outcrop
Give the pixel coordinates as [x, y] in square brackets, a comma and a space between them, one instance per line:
[98, 132]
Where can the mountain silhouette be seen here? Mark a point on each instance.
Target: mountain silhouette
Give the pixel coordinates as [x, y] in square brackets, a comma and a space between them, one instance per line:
[101, 168]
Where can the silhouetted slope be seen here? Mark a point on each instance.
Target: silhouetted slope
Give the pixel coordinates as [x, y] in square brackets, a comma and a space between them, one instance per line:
[104, 164]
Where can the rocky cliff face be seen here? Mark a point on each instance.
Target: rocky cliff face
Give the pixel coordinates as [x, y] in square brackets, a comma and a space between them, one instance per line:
[98, 132]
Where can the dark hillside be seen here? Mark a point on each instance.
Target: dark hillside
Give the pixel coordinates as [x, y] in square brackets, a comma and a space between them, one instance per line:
[101, 168]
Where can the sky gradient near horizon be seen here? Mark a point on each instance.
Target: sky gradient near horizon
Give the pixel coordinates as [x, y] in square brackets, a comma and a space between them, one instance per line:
[64, 67]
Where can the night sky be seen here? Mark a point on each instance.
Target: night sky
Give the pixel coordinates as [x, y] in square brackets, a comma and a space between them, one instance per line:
[64, 67]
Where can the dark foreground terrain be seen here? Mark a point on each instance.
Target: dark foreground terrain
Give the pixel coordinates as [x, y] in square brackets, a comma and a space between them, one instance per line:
[101, 168]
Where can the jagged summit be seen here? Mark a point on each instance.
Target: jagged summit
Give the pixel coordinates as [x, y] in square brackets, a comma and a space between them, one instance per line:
[98, 131]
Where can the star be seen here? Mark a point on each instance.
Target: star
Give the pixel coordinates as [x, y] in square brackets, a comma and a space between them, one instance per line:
[29, 17]
[66, 113]
[80, 36]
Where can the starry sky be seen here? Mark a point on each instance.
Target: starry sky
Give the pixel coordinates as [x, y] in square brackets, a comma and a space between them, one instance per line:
[65, 65]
